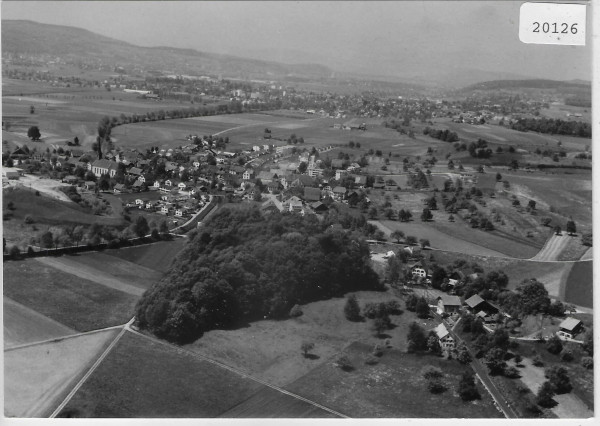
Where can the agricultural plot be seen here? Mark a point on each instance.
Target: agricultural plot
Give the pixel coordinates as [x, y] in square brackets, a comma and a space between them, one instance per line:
[157, 256]
[143, 378]
[112, 267]
[580, 284]
[440, 240]
[274, 404]
[270, 349]
[77, 303]
[23, 325]
[38, 377]
[392, 388]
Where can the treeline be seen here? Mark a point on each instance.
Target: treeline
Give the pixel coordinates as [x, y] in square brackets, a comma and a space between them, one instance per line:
[443, 135]
[250, 266]
[579, 101]
[552, 126]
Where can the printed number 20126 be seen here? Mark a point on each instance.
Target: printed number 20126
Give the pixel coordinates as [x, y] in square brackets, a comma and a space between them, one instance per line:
[555, 28]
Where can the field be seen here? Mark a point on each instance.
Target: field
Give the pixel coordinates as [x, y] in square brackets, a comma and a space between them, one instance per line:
[579, 288]
[392, 388]
[157, 256]
[45, 212]
[271, 403]
[37, 377]
[77, 303]
[112, 268]
[438, 240]
[270, 349]
[144, 378]
[23, 325]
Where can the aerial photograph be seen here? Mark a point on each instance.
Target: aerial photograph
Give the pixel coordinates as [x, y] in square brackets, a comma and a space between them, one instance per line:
[300, 210]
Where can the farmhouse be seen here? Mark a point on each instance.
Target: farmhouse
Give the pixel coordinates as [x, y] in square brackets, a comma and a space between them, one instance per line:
[419, 271]
[569, 328]
[446, 340]
[448, 304]
[475, 304]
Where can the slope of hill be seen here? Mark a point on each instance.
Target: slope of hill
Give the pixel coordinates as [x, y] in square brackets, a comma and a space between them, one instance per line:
[27, 37]
[532, 84]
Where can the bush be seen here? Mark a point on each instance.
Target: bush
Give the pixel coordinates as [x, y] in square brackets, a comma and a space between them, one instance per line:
[344, 363]
[537, 361]
[467, 389]
[521, 388]
[296, 311]
[511, 372]
[14, 252]
[306, 347]
[377, 351]
[431, 372]
[532, 408]
[559, 378]
[566, 355]
[587, 362]
[28, 220]
[545, 395]
[554, 345]
[436, 386]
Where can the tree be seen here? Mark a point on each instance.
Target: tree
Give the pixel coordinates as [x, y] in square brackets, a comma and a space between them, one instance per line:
[416, 338]
[467, 390]
[588, 342]
[352, 309]
[559, 378]
[380, 324]
[554, 345]
[76, 141]
[302, 167]
[545, 395]
[430, 372]
[104, 129]
[47, 239]
[344, 363]
[422, 308]
[498, 177]
[426, 215]
[257, 195]
[306, 347]
[373, 213]
[410, 240]
[31, 109]
[33, 133]
[546, 221]
[494, 359]
[140, 227]
[433, 344]
[462, 354]
[424, 243]
[557, 230]
[14, 252]
[571, 228]
[397, 235]
[163, 227]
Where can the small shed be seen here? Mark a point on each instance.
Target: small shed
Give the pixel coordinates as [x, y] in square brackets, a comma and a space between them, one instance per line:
[570, 328]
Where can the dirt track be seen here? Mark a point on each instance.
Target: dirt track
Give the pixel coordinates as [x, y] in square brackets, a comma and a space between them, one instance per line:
[36, 377]
[80, 270]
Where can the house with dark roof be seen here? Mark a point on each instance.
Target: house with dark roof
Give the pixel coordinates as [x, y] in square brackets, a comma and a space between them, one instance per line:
[312, 194]
[319, 207]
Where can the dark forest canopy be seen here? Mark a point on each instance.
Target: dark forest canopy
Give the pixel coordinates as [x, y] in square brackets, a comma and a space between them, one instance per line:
[248, 266]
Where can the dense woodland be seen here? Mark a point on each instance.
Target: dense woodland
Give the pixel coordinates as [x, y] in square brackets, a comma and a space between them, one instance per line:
[247, 266]
[554, 127]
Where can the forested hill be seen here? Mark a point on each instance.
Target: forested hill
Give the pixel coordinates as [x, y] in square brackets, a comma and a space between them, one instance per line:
[247, 266]
[77, 44]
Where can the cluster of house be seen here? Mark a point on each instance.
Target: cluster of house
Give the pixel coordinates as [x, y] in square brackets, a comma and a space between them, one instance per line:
[179, 206]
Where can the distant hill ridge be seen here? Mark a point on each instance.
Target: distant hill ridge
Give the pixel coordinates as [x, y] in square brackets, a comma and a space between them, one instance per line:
[28, 37]
[529, 83]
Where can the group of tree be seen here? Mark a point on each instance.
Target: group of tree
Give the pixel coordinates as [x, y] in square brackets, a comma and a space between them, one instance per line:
[251, 266]
[443, 135]
[479, 149]
[553, 126]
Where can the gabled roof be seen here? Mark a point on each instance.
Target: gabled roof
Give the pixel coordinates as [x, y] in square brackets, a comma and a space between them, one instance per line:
[448, 300]
[474, 301]
[135, 171]
[441, 331]
[312, 194]
[339, 190]
[105, 164]
[570, 324]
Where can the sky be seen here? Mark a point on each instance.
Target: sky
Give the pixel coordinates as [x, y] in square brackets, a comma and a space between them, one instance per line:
[397, 38]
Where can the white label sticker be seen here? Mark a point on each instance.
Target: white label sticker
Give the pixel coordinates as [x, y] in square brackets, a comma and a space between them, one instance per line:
[552, 23]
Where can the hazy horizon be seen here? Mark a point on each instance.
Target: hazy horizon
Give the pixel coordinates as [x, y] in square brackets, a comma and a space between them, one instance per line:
[400, 39]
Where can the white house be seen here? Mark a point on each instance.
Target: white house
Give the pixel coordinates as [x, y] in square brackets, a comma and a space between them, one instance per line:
[446, 340]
